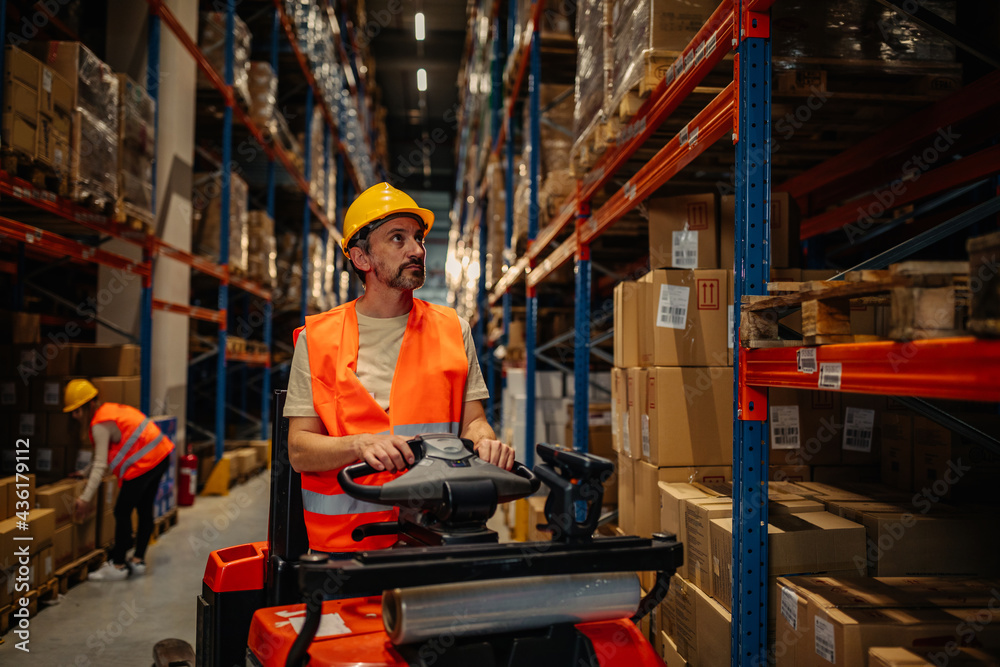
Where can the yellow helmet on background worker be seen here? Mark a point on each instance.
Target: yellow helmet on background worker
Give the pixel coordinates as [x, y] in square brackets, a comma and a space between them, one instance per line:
[378, 202]
[77, 394]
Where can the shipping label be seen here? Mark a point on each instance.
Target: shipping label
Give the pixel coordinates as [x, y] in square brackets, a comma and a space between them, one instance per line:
[830, 375]
[790, 607]
[685, 250]
[859, 424]
[732, 325]
[644, 420]
[825, 642]
[673, 307]
[784, 427]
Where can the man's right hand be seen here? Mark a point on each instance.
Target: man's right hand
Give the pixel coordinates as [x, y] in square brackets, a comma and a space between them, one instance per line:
[387, 452]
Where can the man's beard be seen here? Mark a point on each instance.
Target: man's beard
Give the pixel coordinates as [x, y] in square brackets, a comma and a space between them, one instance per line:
[400, 279]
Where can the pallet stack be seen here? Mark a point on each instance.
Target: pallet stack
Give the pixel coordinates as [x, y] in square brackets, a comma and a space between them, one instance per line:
[136, 152]
[206, 226]
[38, 104]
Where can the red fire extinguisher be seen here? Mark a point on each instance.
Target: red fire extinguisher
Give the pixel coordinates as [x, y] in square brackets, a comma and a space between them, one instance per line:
[188, 482]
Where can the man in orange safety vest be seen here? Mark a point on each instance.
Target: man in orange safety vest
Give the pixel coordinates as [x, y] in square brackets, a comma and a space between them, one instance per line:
[369, 374]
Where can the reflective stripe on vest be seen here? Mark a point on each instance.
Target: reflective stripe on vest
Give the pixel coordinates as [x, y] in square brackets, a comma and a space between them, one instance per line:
[127, 447]
[142, 452]
[427, 396]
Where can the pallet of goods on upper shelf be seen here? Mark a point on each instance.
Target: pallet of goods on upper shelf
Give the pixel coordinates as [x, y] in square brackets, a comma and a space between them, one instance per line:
[136, 153]
[925, 300]
[212, 42]
[206, 225]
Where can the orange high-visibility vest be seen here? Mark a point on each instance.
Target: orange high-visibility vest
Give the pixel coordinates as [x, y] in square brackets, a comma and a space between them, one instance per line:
[427, 396]
[142, 445]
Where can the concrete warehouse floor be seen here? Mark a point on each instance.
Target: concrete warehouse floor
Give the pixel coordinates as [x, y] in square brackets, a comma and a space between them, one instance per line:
[112, 624]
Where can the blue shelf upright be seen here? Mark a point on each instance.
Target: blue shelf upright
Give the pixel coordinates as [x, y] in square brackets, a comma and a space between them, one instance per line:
[750, 443]
[534, 169]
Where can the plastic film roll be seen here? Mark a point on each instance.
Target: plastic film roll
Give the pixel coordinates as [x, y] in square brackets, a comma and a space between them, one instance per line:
[505, 605]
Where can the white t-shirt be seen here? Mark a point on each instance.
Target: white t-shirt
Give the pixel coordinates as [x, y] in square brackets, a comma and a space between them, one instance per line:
[379, 341]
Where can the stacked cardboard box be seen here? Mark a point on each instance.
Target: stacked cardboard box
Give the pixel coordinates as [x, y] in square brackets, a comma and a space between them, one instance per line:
[136, 149]
[836, 620]
[207, 223]
[262, 247]
[93, 144]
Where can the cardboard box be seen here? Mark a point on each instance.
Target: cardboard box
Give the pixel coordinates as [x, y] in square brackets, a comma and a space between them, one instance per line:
[60, 498]
[805, 427]
[797, 543]
[8, 530]
[78, 488]
[789, 473]
[897, 450]
[946, 464]
[862, 435]
[109, 388]
[47, 394]
[681, 619]
[21, 99]
[647, 490]
[690, 320]
[714, 623]
[619, 409]
[21, 66]
[49, 360]
[684, 232]
[627, 303]
[105, 529]
[107, 495]
[635, 408]
[19, 133]
[44, 563]
[62, 545]
[626, 494]
[669, 651]
[63, 430]
[672, 497]
[41, 526]
[246, 460]
[55, 93]
[688, 417]
[785, 243]
[109, 360]
[18, 489]
[15, 396]
[263, 450]
[698, 515]
[536, 517]
[954, 655]
[131, 391]
[84, 537]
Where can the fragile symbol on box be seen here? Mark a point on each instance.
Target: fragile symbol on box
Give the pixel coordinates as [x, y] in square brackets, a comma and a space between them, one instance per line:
[697, 215]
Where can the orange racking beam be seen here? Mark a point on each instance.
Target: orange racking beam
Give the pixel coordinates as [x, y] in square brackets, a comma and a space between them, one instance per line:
[713, 41]
[252, 288]
[508, 279]
[948, 368]
[200, 264]
[862, 210]
[194, 312]
[60, 246]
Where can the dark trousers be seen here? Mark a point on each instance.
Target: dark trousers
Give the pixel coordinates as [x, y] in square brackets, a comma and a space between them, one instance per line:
[136, 494]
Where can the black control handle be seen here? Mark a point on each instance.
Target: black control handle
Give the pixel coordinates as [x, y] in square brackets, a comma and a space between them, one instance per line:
[524, 471]
[348, 474]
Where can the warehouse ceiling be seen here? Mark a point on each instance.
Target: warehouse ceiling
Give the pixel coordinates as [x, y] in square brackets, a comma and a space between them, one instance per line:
[414, 123]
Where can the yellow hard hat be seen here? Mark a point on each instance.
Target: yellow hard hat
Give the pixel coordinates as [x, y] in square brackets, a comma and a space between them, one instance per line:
[377, 202]
[77, 393]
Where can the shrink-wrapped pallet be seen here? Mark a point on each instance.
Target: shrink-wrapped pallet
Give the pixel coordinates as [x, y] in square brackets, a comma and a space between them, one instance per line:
[136, 148]
[592, 69]
[207, 203]
[263, 250]
[262, 84]
[212, 41]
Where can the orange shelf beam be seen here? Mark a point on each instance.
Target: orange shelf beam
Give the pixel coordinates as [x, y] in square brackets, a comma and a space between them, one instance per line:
[194, 312]
[59, 246]
[508, 279]
[250, 359]
[947, 368]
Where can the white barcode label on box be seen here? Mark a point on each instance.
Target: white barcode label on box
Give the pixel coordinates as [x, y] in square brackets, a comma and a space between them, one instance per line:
[784, 426]
[859, 425]
[673, 309]
[732, 326]
[43, 460]
[682, 136]
[790, 607]
[806, 360]
[26, 425]
[829, 376]
[8, 393]
[825, 643]
[685, 249]
[688, 60]
[668, 78]
[47, 80]
[693, 138]
[645, 435]
[58, 157]
[710, 45]
[699, 52]
[50, 393]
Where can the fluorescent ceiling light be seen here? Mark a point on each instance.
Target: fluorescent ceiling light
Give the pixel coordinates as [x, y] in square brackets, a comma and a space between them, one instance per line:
[418, 24]
[422, 79]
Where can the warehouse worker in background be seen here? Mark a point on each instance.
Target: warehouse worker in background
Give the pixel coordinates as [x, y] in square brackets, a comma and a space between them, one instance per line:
[378, 371]
[129, 445]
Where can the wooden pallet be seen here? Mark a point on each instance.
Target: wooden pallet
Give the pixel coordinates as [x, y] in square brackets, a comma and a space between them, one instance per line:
[854, 79]
[134, 217]
[7, 619]
[164, 523]
[236, 345]
[256, 347]
[921, 296]
[984, 285]
[78, 571]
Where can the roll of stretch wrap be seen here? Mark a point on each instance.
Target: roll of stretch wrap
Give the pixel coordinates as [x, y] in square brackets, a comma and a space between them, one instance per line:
[505, 605]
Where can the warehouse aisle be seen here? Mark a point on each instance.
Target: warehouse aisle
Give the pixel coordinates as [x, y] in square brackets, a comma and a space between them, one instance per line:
[118, 623]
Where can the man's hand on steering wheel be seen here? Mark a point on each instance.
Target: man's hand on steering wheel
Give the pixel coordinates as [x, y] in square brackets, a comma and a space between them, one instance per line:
[495, 452]
[387, 452]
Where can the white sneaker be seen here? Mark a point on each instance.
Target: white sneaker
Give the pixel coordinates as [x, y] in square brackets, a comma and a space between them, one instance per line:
[108, 572]
[138, 569]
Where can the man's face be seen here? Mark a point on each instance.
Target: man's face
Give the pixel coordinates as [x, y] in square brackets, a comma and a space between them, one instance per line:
[396, 249]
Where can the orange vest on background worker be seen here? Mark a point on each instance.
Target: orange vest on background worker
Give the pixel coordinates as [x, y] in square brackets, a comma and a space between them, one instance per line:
[142, 446]
[427, 396]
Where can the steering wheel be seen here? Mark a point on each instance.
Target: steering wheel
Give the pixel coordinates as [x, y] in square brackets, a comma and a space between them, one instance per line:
[442, 463]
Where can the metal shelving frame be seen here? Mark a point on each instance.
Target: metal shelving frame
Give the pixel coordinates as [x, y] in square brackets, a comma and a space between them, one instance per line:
[47, 243]
[961, 368]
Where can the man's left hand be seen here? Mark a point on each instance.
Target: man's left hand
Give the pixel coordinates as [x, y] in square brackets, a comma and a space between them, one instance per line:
[496, 452]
